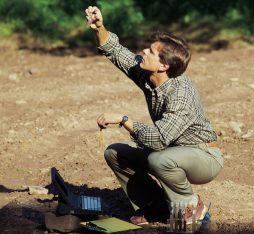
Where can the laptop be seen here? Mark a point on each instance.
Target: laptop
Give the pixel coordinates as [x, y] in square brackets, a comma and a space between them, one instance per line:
[70, 203]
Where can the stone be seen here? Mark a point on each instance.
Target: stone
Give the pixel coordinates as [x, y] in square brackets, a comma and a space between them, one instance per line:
[202, 59]
[21, 102]
[65, 223]
[234, 79]
[251, 86]
[14, 77]
[236, 126]
[33, 71]
[227, 156]
[248, 135]
[37, 190]
[44, 170]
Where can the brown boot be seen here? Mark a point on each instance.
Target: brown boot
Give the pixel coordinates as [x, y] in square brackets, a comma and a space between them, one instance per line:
[200, 211]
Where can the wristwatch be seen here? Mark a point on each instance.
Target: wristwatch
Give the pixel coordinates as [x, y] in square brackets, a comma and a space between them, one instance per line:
[124, 120]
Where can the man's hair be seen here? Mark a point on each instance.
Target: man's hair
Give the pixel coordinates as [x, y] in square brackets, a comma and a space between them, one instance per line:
[175, 52]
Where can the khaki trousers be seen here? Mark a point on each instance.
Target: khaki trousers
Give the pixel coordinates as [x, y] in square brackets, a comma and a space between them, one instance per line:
[148, 176]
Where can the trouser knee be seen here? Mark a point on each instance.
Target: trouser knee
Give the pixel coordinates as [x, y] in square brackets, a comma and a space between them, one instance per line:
[110, 155]
[158, 164]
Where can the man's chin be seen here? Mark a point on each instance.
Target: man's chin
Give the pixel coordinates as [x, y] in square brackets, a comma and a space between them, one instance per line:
[142, 66]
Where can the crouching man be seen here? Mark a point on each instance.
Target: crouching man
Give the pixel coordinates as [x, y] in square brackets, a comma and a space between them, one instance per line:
[162, 161]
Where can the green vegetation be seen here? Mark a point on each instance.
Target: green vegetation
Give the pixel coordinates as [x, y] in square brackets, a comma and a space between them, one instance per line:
[63, 20]
[122, 16]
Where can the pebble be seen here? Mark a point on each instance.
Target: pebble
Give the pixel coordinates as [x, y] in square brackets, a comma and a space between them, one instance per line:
[221, 132]
[234, 79]
[251, 86]
[11, 132]
[248, 135]
[49, 112]
[14, 77]
[37, 190]
[44, 170]
[227, 156]
[21, 102]
[203, 59]
[236, 126]
[33, 71]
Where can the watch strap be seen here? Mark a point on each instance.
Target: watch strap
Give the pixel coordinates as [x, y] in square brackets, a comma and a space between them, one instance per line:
[124, 120]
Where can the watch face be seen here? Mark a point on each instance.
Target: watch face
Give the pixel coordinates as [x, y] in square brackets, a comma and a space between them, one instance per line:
[125, 119]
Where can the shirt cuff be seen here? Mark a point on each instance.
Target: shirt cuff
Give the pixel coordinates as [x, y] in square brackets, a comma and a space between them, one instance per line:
[137, 127]
[109, 44]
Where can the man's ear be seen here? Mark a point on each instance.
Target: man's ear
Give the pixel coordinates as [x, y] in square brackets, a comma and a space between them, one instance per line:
[164, 67]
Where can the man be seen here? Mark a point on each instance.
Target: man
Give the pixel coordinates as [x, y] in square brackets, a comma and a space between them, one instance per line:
[180, 148]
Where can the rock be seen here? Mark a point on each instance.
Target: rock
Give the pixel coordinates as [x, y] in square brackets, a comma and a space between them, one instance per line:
[37, 190]
[251, 86]
[202, 59]
[33, 71]
[234, 79]
[14, 77]
[44, 170]
[248, 135]
[220, 132]
[236, 126]
[12, 132]
[227, 156]
[49, 112]
[21, 102]
[66, 223]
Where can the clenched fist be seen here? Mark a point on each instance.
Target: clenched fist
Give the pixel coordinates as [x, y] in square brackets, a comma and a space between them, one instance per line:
[94, 17]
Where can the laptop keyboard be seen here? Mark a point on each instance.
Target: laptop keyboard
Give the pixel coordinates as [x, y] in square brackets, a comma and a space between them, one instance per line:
[90, 203]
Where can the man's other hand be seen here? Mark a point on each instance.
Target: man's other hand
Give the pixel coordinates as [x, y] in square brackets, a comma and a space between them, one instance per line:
[109, 118]
[94, 17]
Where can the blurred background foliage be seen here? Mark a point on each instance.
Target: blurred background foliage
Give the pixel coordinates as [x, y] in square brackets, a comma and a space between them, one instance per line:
[53, 21]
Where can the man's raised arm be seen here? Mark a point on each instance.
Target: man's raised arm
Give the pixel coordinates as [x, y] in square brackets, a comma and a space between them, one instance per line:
[108, 45]
[95, 21]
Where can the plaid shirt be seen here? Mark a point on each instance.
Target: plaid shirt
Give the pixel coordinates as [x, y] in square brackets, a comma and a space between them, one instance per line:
[174, 106]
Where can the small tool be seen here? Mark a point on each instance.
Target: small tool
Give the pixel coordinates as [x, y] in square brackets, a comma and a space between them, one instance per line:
[100, 137]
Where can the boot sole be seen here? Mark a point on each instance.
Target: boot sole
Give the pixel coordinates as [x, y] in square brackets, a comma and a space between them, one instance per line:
[201, 216]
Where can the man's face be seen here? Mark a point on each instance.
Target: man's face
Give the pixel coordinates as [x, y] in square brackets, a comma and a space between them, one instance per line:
[151, 60]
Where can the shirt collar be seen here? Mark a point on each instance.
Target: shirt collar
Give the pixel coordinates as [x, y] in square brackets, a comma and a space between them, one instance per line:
[163, 87]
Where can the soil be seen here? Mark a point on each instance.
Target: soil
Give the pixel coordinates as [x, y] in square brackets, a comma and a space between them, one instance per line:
[49, 106]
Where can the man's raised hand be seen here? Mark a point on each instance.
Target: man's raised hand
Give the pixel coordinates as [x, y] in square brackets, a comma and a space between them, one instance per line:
[94, 17]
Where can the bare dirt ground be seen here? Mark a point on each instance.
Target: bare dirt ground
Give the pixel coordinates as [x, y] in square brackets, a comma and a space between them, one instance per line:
[48, 111]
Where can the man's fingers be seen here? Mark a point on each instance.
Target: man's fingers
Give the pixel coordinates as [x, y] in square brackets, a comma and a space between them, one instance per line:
[101, 120]
[93, 10]
[96, 10]
[90, 9]
[102, 124]
[88, 19]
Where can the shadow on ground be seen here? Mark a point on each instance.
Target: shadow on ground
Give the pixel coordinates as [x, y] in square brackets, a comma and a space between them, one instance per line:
[29, 216]
[3, 189]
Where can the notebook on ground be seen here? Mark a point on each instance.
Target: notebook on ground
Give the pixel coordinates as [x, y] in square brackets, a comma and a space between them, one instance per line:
[109, 225]
[70, 203]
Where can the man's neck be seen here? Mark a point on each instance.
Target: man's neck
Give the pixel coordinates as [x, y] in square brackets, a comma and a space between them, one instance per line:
[158, 78]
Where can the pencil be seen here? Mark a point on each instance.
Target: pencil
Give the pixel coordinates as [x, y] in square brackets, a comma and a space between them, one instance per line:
[100, 137]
